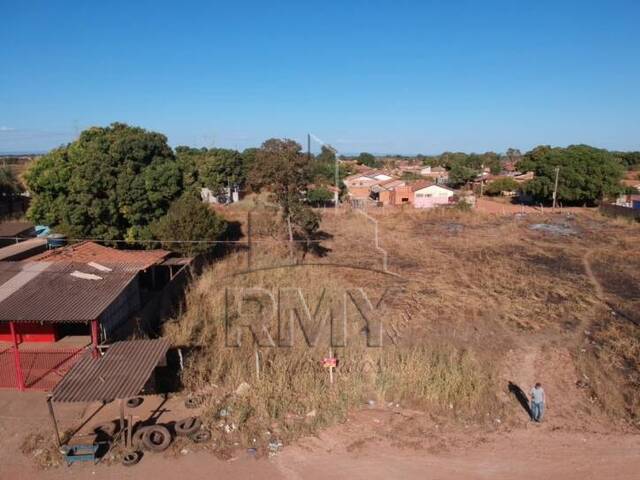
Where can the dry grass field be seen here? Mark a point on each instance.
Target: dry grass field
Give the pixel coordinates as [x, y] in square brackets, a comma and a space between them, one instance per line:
[468, 304]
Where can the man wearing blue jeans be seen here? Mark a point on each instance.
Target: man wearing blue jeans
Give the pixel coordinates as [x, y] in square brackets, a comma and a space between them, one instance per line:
[537, 403]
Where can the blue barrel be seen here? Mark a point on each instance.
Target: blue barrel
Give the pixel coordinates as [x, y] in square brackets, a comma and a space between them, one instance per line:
[636, 204]
[56, 240]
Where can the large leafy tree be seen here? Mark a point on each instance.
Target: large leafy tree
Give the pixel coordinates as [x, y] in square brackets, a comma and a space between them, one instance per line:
[215, 168]
[111, 183]
[189, 226]
[9, 184]
[586, 174]
[282, 168]
[222, 168]
[502, 184]
[368, 159]
[462, 172]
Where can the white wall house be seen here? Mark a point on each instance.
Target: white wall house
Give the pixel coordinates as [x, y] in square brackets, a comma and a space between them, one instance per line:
[432, 196]
[230, 195]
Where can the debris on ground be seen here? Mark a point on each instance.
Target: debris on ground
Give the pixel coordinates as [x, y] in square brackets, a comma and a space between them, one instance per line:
[42, 450]
[243, 389]
[553, 229]
[275, 447]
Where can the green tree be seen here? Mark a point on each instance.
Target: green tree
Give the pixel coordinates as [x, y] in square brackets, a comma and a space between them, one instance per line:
[629, 159]
[587, 174]
[368, 159]
[513, 155]
[461, 173]
[281, 167]
[190, 221]
[286, 172]
[9, 184]
[326, 155]
[221, 168]
[111, 183]
[319, 196]
[215, 168]
[502, 184]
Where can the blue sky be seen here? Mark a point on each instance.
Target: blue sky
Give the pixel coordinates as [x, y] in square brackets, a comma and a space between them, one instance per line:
[381, 76]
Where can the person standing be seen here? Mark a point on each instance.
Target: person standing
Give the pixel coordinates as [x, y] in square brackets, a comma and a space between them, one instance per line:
[537, 402]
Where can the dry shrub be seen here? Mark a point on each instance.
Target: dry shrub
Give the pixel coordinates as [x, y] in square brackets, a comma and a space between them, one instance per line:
[292, 394]
[42, 450]
[444, 377]
[610, 366]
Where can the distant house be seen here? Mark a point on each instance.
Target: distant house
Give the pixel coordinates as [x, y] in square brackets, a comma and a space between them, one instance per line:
[359, 185]
[523, 177]
[438, 174]
[433, 196]
[228, 195]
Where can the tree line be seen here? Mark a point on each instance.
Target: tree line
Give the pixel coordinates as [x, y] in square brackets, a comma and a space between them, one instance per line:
[587, 174]
[123, 182]
[126, 183]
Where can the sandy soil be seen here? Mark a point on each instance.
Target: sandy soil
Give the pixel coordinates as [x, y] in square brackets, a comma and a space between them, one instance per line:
[372, 444]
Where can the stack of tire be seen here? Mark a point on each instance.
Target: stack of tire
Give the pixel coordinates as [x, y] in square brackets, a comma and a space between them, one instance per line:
[157, 438]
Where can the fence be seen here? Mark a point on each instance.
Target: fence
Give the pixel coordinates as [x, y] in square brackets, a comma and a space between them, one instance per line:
[41, 367]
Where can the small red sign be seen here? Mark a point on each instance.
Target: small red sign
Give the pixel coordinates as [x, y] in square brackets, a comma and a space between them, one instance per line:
[330, 362]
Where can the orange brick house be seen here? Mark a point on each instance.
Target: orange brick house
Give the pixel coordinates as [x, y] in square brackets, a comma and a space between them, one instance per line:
[399, 192]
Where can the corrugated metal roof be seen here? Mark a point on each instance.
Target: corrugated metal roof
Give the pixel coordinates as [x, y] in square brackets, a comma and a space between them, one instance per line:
[23, 249]
[85, 252]
[16, 229]
[29, 292]
[120, 373]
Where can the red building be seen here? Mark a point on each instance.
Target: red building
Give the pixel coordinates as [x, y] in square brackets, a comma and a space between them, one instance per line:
[57, 304]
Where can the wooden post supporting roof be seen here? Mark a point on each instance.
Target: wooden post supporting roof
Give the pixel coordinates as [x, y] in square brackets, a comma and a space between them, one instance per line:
[95, 338]
[53, 421]
[16, 357]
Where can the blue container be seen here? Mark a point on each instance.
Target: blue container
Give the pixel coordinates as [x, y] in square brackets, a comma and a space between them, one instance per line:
[56, 240]
[636, 204]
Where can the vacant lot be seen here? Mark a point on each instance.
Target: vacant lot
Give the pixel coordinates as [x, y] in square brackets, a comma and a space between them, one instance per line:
[469, 303]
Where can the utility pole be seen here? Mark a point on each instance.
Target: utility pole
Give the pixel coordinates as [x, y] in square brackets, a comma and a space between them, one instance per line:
[308, 147]
[555, 188]
[336, 194]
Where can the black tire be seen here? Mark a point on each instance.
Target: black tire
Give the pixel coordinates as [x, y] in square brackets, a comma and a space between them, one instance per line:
[131, 458]
[200, 436]
[136, 438]
[107, 429]
[188, 426]
[134, 402]
[156, 438]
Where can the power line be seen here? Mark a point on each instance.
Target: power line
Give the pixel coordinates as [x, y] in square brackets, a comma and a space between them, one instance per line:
[133, 242]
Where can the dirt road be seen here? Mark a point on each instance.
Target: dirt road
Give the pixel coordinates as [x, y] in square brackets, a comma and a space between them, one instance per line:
[536, 454]
[373, 444]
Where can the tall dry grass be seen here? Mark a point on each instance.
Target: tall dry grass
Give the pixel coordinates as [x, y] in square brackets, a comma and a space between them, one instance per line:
[469, 288]
[290, 394]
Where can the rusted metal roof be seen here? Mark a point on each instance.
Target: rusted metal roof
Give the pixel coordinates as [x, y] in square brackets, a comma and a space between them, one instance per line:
[48, 292]
[177, 261]
[85, 252]
[16, 229]
[121, 372]
[23, 249]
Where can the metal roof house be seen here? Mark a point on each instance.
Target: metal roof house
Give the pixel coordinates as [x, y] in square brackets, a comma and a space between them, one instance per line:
[55, 305]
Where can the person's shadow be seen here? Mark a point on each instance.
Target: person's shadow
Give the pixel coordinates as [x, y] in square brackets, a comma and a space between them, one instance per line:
[521, 397]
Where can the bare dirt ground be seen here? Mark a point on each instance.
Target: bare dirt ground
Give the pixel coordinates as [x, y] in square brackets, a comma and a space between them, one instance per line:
[372, 444]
